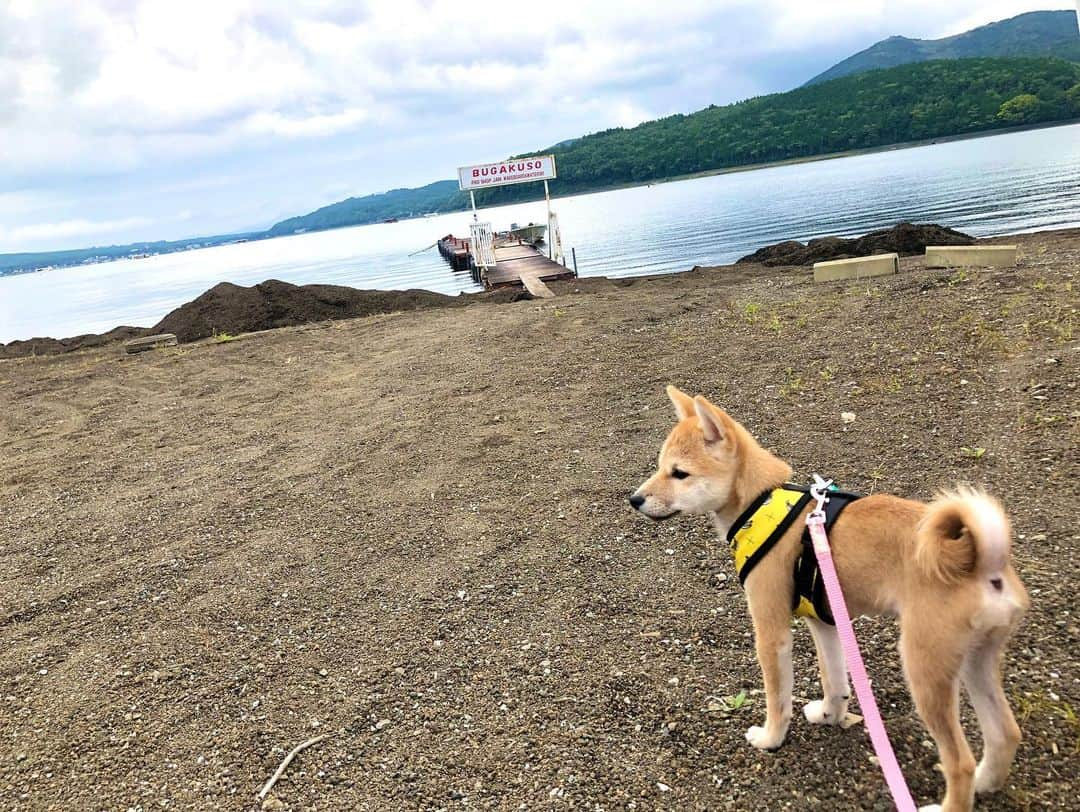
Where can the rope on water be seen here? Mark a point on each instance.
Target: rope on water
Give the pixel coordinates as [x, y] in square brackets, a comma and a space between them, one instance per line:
[422, 250]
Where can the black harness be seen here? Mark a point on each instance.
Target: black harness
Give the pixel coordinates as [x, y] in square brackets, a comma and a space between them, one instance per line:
[808, 598]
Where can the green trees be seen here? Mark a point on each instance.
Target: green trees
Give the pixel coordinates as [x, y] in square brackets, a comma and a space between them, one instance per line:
[908, 103]
[1072, 99]
[1020, 109]
[912, 102]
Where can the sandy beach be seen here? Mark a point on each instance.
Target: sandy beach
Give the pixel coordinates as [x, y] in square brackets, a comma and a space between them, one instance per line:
[409, 531]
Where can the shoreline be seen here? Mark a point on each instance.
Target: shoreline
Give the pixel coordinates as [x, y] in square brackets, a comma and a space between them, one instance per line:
[362, 303]
[730, 170]
[807, 159]
[832, 156]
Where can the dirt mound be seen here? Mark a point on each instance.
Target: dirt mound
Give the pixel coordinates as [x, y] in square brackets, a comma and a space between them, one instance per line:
[228, 308]
[905, 239]
[51, 346]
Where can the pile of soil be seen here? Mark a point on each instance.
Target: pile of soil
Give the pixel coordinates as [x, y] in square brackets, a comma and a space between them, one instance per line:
[51, 346]
[906, 239]
[228, 308]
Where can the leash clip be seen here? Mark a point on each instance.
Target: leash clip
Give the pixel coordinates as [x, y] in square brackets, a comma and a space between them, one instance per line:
[819, 491]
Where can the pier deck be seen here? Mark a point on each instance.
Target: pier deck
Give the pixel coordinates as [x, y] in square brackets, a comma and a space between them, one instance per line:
[516, 263]
[522, 265]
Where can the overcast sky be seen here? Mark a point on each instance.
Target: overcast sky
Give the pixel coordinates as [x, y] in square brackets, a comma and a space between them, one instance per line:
[124, 120]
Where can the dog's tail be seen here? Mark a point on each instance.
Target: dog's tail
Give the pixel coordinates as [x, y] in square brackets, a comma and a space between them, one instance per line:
[965, 533]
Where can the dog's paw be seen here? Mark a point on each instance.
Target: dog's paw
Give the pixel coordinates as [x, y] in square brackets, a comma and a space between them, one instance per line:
[819, 712]
[930, 808]
[988, 780]
[760, 738]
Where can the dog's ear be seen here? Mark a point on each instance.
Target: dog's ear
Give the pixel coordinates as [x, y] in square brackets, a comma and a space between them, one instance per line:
[716, 426]
[683, 403]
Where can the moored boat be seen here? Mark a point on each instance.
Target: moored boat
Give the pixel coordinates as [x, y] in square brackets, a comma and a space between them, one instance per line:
[533, 233]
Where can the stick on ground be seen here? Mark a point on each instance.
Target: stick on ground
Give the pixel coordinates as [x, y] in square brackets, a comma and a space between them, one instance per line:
[288, 759]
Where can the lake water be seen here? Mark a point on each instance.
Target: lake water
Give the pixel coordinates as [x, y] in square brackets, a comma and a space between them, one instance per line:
[995, 185]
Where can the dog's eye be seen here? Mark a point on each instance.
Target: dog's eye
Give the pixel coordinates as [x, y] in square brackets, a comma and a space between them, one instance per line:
[679, 474]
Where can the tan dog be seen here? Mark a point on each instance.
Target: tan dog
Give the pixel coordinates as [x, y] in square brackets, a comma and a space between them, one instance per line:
[942, 568]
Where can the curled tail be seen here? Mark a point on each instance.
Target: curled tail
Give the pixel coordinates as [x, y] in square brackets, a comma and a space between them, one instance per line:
[965, 533]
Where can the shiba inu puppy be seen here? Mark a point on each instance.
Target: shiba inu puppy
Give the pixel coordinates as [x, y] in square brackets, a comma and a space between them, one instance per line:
[942, 569]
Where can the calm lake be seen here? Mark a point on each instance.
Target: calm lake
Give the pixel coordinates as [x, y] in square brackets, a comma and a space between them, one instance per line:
[994, 185]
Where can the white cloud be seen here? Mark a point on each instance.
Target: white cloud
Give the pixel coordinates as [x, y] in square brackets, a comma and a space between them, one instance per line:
[113, 84]
[66, 229]
[121, 88]
[275, 123]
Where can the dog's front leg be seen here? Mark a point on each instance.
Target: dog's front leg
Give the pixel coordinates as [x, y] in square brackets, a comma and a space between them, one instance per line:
[773, 641]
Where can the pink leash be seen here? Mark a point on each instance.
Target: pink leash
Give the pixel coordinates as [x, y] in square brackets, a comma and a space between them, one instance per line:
[874, 726]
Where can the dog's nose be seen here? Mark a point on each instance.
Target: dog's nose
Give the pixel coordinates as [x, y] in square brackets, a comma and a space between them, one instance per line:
[636, 501]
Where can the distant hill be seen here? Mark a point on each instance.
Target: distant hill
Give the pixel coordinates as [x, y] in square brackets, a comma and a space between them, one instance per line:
[906, 103]
[1039, 33]
[36, 260]
[441, 196]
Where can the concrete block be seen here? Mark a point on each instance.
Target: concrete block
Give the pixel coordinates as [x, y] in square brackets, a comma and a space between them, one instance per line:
[150, 343]
[858, 268]
[970, 256]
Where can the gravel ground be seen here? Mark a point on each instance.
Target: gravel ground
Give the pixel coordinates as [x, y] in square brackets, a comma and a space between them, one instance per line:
[409, 531]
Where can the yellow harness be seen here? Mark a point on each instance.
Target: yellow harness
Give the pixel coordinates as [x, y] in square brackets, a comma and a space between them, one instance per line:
[762, 524]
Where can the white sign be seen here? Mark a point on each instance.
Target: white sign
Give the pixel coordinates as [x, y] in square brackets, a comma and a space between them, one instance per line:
[521, 170]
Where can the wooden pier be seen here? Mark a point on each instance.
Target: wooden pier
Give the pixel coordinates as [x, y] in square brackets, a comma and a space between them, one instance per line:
[455, 251]
[516, 263]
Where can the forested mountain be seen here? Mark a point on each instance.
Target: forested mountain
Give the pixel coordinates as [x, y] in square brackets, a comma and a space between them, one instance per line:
[924, 100]
[1039, 33]
[443, 195]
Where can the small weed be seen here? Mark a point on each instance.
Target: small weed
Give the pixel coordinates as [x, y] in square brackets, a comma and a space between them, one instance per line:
[1063, 327]
[736, 701]
[973, 453]
[827, 374]
[1029, 705]
[876, 476]
[750, 312]
[793, 383]
[775, 325]
[1021, 420]
[222, 338]
[958, 278]
[729, 704]
[1039, 284]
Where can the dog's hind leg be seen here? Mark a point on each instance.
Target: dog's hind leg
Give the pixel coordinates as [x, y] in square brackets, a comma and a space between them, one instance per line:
[832, 707]
[981, 676]
[932, 660]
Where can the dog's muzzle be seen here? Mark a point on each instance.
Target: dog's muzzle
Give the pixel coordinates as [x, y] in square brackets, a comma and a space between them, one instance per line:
[637, 502]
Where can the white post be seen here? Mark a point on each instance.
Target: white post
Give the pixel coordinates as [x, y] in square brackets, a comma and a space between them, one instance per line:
[472, 197]
[547, 199]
